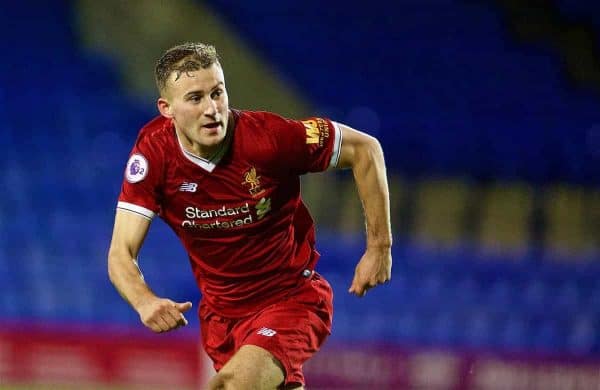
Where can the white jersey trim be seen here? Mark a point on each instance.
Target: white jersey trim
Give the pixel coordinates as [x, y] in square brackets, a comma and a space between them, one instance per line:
[206, 164]
[337, 145]
[133, 208]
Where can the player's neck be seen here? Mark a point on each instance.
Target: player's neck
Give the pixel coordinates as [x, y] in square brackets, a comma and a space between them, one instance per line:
[198, 150]
[202, 151]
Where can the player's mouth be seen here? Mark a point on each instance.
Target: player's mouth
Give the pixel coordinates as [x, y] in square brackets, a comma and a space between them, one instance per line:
[213, 125]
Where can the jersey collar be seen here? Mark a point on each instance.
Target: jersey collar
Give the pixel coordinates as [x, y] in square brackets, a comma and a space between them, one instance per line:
[211, 163]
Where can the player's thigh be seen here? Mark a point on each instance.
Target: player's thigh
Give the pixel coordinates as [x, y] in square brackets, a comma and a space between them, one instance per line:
[251, 367]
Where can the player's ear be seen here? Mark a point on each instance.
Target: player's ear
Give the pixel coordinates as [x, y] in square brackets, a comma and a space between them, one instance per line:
[164, 107]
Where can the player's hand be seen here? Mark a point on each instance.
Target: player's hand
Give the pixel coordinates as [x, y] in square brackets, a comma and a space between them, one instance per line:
[163, 315]
[374, 268]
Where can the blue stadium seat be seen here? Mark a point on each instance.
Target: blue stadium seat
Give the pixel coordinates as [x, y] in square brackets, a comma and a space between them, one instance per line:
[548, 335]
[454, 98]
[514, 334]
[479, 329]
[582, 334]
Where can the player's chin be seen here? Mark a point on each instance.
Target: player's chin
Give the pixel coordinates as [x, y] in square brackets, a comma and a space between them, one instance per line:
[211, 139]
[212, 132]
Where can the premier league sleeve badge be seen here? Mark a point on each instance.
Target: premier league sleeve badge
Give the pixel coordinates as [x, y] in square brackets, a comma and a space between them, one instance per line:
[137, 168]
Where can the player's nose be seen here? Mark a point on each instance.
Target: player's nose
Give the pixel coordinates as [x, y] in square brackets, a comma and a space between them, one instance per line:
[211, 108]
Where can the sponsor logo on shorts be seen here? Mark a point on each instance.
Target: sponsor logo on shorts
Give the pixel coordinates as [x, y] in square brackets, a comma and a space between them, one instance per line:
[266, 332]
[137, 168]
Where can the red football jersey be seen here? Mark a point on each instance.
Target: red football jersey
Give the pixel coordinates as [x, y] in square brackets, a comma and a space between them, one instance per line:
[239, 215]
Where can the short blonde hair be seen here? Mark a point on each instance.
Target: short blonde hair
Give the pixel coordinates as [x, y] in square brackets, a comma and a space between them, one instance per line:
[186, 57]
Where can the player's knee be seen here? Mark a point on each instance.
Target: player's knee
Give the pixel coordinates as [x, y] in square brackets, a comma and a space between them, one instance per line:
[221, 381]
[251, 367]
[230, 381]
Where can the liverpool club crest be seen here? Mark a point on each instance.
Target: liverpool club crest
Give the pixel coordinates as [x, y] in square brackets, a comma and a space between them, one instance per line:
[252, 181]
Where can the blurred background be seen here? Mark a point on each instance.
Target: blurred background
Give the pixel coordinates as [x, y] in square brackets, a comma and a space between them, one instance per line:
[488, 112]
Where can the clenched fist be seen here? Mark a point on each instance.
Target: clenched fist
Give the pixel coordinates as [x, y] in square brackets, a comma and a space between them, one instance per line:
[373, 269]
[163, 315]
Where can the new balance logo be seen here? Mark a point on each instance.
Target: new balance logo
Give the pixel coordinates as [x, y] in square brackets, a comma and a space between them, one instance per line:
[188, 187]
[266, 332]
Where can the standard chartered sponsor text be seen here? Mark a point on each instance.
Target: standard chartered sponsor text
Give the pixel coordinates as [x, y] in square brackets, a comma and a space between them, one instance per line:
[194, 214]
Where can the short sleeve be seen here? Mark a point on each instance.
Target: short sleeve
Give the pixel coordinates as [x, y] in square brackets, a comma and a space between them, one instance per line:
[309, 145]
[140, 191]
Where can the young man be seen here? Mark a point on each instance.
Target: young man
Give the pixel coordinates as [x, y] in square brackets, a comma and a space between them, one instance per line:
[227, 182]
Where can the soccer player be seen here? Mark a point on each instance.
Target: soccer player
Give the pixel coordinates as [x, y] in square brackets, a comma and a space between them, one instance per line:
[227, 182]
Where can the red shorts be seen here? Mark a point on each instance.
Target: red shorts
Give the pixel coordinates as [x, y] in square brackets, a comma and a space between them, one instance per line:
[292, 329]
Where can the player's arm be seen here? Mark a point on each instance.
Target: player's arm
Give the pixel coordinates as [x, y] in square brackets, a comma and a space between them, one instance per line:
[156, 313]
[363, 154]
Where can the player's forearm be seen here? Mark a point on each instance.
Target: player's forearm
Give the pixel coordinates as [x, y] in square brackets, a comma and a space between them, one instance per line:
[370, 177]
[127, 278]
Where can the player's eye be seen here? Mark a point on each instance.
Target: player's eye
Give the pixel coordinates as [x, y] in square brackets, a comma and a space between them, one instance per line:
[194, 98]
[216, 93]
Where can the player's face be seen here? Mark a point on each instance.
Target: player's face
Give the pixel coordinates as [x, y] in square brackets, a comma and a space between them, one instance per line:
[198, 104]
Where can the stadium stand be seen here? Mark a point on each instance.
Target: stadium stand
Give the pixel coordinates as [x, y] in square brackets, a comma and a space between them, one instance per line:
[452, 99]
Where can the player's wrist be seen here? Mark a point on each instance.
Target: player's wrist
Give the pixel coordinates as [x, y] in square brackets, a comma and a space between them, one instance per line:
[143, 301]
[384, 244]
